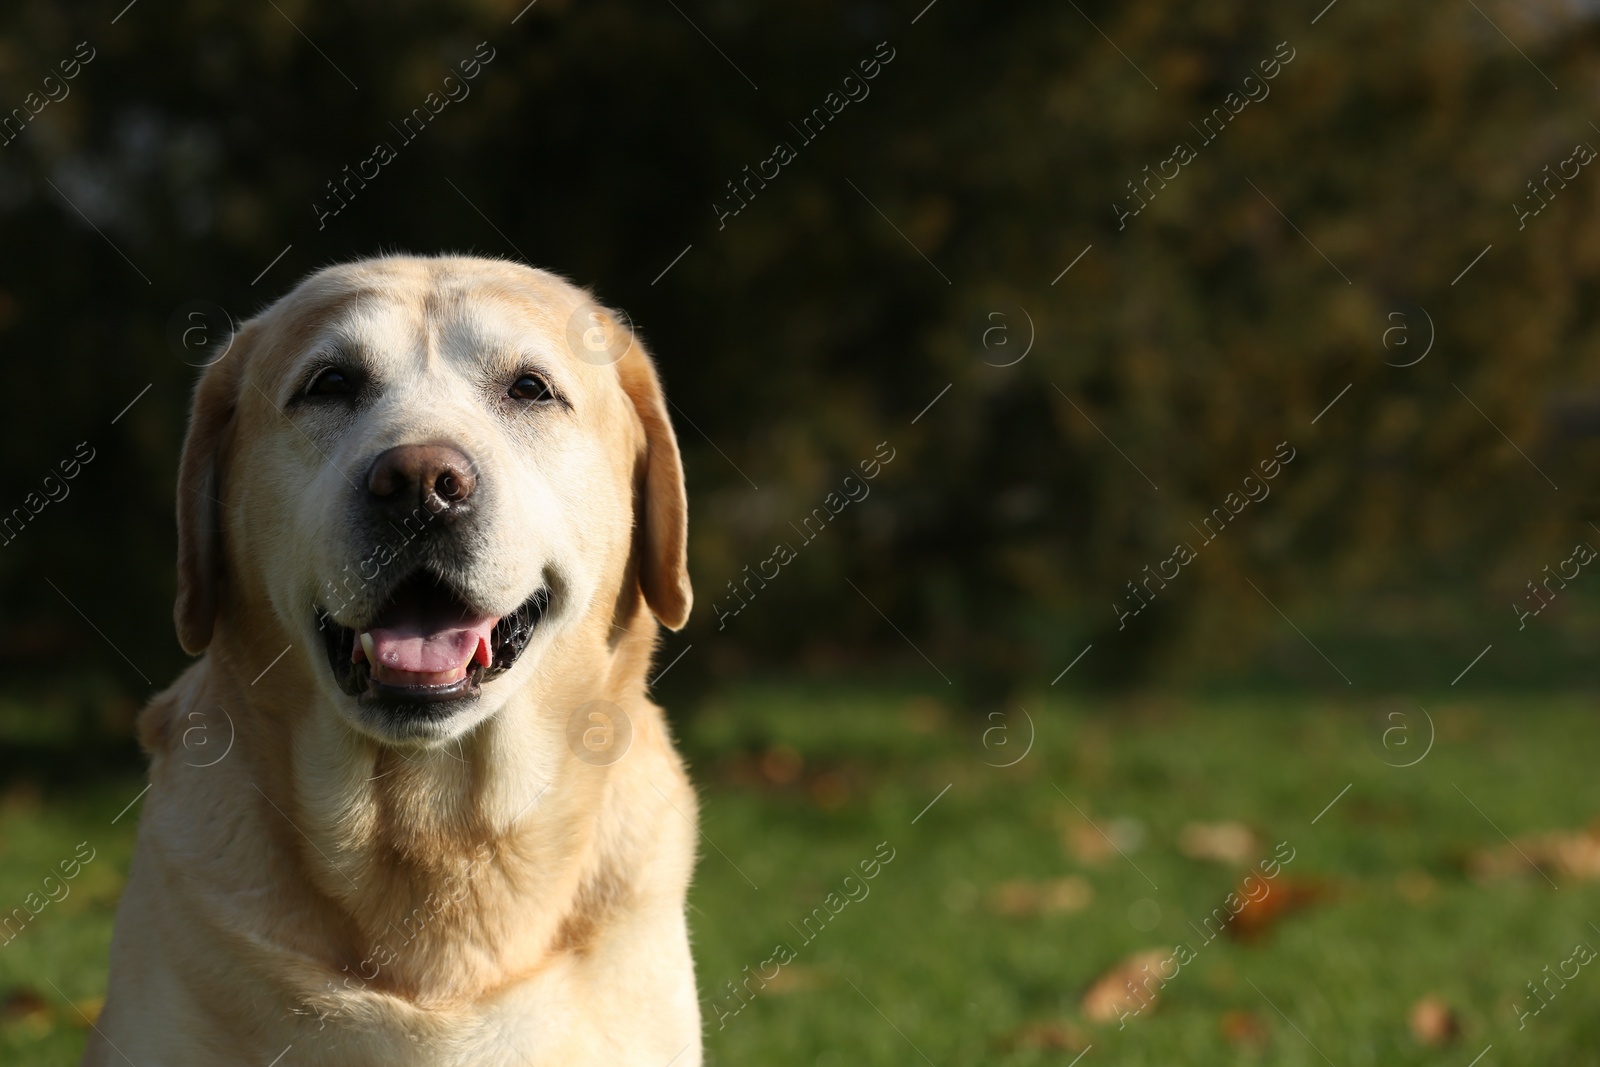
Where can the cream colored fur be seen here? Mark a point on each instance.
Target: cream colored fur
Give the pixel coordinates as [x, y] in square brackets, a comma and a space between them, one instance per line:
[479, 895]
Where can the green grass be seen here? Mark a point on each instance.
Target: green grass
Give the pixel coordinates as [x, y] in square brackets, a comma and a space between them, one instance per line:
[925, 958]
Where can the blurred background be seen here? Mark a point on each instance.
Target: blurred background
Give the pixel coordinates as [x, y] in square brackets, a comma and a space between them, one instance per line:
[1306, 290]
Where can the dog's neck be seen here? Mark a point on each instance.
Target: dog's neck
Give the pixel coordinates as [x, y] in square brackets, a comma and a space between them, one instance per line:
[475, 849]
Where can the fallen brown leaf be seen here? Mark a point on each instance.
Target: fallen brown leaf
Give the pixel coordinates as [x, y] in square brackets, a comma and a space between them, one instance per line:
[1573, 853]
[1084, 844]
[1433, 1022]
[1231, 843]
[1243, 1028]
[1288, 895]
[1050, 1036]
[1124, 988]
[1020, 897]
[1094, 843]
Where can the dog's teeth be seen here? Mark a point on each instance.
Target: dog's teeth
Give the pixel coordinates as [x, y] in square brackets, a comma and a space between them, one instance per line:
[365, 651]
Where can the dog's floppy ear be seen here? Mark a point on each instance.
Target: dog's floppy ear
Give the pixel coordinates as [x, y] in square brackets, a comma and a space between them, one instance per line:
[661, 524]
[211, 422]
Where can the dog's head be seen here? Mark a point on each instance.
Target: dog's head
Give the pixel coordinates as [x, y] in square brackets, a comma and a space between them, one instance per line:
[427, 471]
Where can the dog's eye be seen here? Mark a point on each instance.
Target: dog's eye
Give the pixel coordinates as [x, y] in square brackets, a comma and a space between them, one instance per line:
[331, 381]
[530, 387]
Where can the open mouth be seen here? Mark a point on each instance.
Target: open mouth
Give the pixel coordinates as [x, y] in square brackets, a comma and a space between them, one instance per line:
[427, 645]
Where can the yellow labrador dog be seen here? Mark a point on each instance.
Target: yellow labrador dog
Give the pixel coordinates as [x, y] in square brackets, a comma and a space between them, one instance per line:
[429, 513]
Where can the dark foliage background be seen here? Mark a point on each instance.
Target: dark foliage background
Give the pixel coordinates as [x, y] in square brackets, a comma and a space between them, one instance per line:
[859, 284]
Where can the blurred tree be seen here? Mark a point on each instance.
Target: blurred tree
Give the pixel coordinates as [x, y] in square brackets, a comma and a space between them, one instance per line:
[184, 161]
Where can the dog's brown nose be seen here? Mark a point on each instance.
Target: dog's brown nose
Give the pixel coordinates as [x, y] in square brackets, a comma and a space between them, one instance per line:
[437, 476]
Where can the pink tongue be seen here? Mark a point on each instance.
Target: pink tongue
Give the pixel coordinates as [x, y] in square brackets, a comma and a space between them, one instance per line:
[414, 647]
